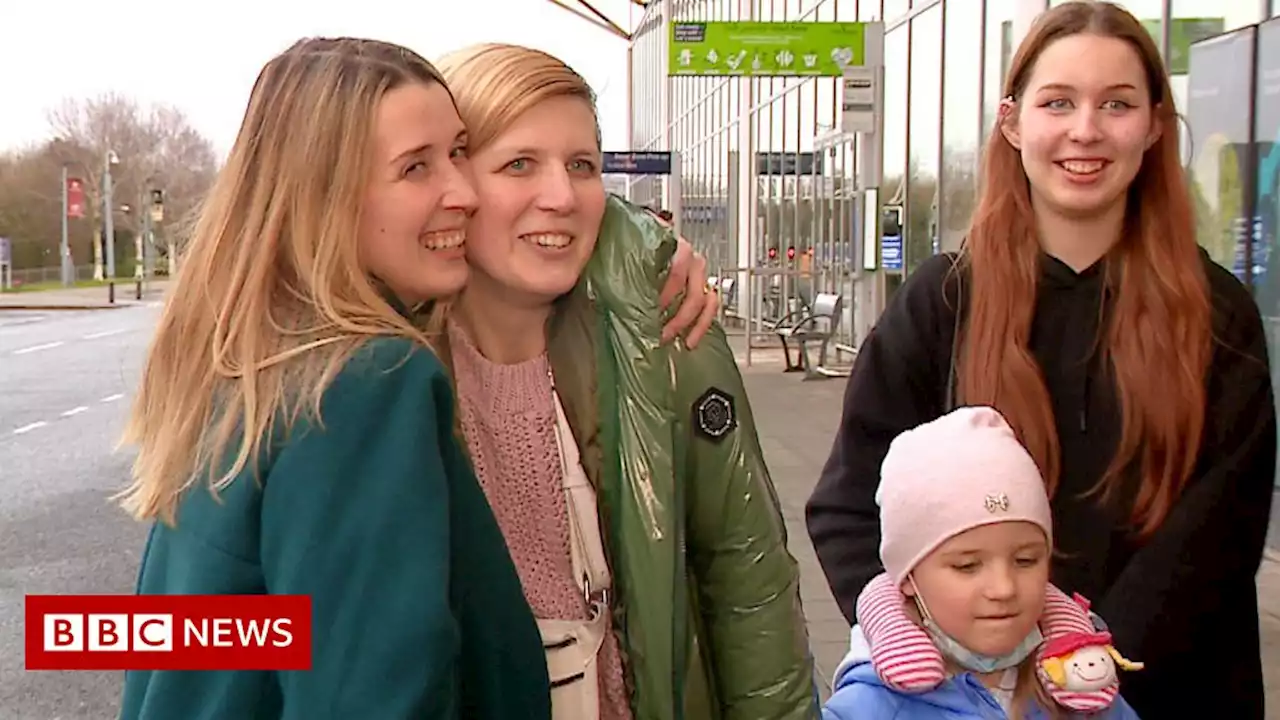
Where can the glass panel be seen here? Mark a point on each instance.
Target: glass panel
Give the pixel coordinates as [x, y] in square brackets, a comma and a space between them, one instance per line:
[1195, 20]
[1266, 282]
[1220, 144]
[925, 114]
[999, 52]
[894, 9]
[1150, 12]
[961, 131]
[893, 187]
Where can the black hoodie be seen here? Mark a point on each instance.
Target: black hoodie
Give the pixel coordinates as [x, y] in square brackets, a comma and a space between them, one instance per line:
[1184, 601]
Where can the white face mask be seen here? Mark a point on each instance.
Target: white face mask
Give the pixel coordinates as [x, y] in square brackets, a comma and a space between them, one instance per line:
[966, 658]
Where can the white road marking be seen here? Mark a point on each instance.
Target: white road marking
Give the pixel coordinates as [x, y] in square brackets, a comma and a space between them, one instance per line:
[112, 398]
[105, 333]
[75, 411]
[37, 348]
[28, 428]
[21, 321]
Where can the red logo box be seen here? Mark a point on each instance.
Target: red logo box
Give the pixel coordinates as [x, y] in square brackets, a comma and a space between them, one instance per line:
[168, 632]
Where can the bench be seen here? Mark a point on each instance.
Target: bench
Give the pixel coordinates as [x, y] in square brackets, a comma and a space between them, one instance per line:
[815, 324]
[728, 301]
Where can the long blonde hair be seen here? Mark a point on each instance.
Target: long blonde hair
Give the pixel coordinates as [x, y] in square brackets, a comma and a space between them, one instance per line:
[270, 299]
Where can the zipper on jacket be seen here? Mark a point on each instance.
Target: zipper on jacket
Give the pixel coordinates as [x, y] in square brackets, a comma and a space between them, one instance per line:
[1086, 385]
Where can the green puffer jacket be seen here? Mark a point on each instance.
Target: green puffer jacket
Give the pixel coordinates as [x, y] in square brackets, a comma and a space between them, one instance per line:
[707, 596]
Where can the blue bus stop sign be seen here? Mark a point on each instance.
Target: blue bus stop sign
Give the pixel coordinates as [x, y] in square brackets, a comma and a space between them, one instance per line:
[637, 163]
[891, 252]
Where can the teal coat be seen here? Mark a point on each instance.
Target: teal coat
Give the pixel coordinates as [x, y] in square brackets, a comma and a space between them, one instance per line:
[418, 611]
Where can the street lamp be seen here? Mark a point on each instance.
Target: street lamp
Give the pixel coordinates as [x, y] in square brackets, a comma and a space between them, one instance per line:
[64, 248]
[108, 208]
[150, 212]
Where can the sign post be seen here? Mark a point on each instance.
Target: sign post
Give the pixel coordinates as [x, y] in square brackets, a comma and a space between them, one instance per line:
[650, 163]
[6, 264]
[72, 207]
[637, 163]
[891, 252]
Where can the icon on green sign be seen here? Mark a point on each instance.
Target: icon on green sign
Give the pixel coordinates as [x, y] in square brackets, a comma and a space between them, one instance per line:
[765, 48]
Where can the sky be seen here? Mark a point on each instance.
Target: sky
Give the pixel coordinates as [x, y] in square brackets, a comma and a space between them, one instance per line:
[204, 61]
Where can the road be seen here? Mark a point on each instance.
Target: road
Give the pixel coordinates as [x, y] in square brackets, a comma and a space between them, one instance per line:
[65, 382]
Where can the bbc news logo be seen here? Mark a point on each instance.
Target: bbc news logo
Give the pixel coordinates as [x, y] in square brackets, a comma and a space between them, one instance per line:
[168, 632]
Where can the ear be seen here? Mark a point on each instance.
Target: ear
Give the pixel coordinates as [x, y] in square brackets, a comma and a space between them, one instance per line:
[908, 589]
[1007, 117]
[1157, 129]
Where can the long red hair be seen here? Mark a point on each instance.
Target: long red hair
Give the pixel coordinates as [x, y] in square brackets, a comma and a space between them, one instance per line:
[1158, 342]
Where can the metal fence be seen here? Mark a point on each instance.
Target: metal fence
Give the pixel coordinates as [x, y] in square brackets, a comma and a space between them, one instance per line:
[52, 274]
[766, 196]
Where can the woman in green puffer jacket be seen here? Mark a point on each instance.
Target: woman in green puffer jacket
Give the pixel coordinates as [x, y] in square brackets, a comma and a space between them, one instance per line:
[561, 373]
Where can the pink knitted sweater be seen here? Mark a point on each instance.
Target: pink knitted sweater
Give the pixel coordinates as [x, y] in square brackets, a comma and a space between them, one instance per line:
[508, 416]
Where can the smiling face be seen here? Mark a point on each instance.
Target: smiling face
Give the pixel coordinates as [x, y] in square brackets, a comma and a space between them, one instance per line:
[1089, 669]
[985, 587]
[418, 197]
[1082, 128]
[541, 203]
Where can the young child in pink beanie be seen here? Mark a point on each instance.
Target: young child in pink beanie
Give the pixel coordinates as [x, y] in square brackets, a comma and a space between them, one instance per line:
[966, 536]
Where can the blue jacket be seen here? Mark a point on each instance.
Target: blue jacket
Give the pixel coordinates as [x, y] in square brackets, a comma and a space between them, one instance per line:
[859, 694]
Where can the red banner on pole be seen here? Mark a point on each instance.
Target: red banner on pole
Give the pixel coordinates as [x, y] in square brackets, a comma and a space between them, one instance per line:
[75, 198]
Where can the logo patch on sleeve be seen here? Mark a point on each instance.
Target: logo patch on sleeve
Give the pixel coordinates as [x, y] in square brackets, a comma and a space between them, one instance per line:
[714, 415]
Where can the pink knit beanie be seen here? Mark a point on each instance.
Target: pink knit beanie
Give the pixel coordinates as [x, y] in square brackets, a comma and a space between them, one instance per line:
[964, 470]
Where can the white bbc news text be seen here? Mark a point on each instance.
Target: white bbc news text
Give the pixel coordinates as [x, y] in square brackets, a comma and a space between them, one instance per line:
[155, 633]
[225, 632]
[108, 632]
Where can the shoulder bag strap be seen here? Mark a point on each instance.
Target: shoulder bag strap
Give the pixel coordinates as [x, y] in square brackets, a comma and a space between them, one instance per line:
[585, 545]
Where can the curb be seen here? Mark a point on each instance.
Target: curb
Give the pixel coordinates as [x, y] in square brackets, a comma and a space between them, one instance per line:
[64, 307]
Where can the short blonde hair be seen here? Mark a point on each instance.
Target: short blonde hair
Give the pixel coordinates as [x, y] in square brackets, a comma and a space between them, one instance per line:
[494, 84]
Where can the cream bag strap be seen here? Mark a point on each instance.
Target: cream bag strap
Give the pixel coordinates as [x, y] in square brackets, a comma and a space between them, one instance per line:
[573, 646]
[585, 546]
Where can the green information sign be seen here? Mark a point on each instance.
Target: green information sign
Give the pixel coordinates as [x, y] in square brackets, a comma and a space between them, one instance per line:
[766, 48]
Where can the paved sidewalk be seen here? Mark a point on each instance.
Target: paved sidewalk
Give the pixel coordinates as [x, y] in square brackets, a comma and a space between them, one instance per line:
[90, 298]
[796, 422]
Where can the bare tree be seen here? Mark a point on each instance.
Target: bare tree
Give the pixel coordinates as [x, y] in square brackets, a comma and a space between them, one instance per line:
[30, 207]
[156, 148]
[184, 167]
